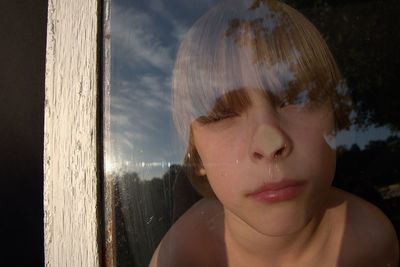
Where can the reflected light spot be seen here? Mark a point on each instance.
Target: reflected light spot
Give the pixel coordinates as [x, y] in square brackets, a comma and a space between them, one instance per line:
[109, 166]
[330, 140]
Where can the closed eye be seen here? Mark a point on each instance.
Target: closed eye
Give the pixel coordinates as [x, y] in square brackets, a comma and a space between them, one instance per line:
[229, 106]
[215, 117]
[283, 103]
[300, 100]
[286, 103]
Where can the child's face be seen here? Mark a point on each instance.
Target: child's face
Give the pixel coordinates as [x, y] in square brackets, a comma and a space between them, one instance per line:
[269, 165]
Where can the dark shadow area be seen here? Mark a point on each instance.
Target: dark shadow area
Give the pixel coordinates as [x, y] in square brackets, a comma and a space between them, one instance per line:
[364, 39]
[370, 172]
[22, 68]
[144, 212]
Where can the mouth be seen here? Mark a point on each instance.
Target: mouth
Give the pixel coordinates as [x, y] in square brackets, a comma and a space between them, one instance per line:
[276, 192]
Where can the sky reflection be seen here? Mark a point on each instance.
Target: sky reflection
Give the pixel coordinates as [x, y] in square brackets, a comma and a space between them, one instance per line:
[144, 40]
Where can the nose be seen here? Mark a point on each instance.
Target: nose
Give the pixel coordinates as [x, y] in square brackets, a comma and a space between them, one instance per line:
[269, 143]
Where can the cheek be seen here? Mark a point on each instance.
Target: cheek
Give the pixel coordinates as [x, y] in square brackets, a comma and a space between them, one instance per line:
[221, 158]
[317, 148]
[217, 159]
[226, 184]
[312, 144]
[220, 148]
[324, 162]
[327, 148]
[317, 131]
[328, 163]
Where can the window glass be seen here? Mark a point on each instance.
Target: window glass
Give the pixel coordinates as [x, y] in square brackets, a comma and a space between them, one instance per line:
[207, 98]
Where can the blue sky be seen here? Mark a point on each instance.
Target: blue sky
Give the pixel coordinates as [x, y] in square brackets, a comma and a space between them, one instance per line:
[144, 40]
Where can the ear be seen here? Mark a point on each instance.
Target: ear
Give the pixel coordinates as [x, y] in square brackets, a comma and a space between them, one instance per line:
[201, 172]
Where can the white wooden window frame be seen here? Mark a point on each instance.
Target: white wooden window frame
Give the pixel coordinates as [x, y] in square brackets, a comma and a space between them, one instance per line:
[71, 175]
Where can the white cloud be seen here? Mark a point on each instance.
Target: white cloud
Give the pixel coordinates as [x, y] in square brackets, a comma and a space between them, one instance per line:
[179, 29]
[134, 40]
[145, 91]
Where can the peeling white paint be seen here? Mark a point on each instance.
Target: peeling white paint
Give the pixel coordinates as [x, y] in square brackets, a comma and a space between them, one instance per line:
[70, 171]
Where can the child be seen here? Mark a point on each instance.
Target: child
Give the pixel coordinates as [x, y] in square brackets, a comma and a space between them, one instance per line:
[258, 95]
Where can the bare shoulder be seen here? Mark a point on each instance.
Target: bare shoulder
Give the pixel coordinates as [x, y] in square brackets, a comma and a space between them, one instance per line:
[194, 238]
[368, 235]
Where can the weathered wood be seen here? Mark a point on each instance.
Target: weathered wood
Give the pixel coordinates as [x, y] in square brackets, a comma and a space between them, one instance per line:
[70, 164]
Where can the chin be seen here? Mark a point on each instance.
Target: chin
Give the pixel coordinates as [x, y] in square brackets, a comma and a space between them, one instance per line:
[282, 221]
[284, 227]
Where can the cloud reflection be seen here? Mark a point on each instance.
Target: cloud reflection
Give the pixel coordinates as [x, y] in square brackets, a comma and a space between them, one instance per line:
[144, 40]
[135, 41]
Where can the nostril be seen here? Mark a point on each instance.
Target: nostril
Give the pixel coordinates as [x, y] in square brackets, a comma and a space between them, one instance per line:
[257, 155]
[279, 152]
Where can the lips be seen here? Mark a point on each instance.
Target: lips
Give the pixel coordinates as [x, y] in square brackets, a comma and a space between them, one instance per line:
[276, 192]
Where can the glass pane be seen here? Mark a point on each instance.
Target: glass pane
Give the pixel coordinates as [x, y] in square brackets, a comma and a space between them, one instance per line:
[240, 102]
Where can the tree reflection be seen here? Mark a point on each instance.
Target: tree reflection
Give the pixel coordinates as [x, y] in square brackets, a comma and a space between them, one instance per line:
[145, 211]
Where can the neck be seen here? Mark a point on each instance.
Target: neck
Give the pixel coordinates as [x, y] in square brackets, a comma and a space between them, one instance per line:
[251, 245]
